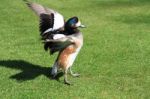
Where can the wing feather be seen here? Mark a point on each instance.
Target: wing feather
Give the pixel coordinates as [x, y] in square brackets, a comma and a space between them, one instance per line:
[46, 22]
[50, 20]
[58, 44]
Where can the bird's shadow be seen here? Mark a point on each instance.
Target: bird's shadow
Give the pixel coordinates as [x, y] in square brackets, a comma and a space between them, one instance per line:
[29, 71]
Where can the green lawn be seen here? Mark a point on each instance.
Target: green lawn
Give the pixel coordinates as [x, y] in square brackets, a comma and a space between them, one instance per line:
[114, 62]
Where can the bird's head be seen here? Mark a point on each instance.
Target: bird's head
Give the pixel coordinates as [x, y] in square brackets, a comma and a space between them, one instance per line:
[74, 23]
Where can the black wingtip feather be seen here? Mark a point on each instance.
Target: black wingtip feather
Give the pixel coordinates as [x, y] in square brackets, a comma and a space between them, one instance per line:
[46, 46]
[49, 46]
[46, 22]
[28, 3]
[25, 0]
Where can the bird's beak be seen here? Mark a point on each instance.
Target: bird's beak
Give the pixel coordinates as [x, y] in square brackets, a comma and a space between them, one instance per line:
[82, 26]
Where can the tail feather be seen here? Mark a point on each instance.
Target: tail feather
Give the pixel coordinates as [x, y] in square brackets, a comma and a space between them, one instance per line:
[54, 70]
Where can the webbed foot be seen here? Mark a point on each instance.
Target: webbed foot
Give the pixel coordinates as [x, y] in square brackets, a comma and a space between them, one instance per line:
[75, 75]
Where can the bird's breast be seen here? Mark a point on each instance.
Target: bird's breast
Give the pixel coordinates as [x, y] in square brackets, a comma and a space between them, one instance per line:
[68, 55]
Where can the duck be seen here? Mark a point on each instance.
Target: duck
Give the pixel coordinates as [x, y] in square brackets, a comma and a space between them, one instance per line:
[59, 36]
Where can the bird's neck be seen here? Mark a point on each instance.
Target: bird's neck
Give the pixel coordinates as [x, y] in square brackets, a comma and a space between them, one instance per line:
[70, 31]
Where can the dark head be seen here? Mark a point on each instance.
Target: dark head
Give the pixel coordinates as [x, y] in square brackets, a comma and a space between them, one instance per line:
[72, 25]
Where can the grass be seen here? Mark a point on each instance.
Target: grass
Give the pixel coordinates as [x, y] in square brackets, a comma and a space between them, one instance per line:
[113, 63]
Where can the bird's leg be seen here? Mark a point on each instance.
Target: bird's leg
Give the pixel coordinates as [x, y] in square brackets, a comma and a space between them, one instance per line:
[73, 74]
[65, 78]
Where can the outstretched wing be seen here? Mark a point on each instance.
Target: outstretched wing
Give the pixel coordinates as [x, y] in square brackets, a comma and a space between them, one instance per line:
[50, 20]
[58, 44]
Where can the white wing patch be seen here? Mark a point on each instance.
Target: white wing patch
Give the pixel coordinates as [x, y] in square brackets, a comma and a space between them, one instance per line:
[58, 22]
[48, 30]
[58, 36]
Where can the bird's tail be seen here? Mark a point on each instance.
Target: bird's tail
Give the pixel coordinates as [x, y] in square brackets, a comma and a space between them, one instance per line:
[54, 70]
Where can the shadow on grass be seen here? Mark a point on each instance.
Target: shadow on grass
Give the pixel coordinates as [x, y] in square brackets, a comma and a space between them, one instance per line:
[29, 71]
